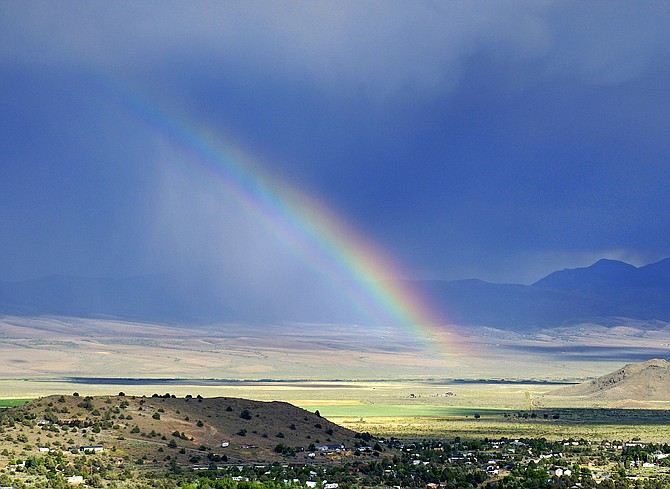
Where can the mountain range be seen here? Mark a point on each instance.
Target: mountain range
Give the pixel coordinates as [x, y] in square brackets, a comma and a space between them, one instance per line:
[606, 290]
[602, 293]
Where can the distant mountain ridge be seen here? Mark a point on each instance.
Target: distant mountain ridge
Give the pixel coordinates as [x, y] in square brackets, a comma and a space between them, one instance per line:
[596, 294]
[606, 289]
[611, 273]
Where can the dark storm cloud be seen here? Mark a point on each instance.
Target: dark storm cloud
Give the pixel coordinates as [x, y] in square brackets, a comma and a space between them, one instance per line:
[493, 139]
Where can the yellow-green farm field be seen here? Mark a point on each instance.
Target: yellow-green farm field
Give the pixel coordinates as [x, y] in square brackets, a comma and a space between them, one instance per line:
[513, 428]
[417, 409]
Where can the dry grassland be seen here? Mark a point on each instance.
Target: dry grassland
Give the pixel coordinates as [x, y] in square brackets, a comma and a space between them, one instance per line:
[43, 356]
[68, 347]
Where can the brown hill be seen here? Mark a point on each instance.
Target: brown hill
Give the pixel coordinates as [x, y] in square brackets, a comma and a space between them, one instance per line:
[646, 381]
[155, 431]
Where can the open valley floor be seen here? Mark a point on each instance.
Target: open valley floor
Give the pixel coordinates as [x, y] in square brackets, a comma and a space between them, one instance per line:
[157, 406]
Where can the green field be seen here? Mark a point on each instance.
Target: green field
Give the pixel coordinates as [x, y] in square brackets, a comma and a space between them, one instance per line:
[5, 403]
[399, 411]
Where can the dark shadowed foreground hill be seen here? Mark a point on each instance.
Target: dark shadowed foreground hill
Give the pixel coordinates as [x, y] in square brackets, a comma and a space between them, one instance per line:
[165, 428]
[603, 293]
[646, 381]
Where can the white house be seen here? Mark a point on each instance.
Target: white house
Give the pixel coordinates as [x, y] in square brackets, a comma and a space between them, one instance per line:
[92, 448]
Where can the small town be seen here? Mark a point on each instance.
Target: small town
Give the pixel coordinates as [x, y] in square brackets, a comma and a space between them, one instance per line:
[46, 446]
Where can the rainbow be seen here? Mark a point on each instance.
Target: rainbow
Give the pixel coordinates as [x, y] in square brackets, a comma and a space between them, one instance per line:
[332, 246]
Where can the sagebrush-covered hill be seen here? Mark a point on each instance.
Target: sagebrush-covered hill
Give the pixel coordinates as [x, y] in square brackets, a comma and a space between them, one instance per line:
[165, 428]
[646, 381]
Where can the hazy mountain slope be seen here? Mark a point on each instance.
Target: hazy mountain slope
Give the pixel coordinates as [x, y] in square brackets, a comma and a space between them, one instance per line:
[606, 289]
[166, 298]
[646, 381]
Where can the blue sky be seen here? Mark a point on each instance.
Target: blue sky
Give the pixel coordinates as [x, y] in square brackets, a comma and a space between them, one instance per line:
[497, 140]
